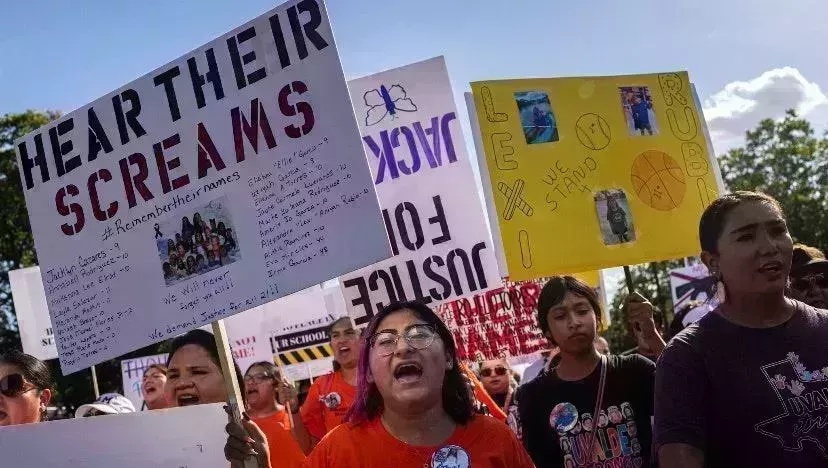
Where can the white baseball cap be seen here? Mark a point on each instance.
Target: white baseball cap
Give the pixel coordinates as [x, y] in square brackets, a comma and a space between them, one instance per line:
[108, 403]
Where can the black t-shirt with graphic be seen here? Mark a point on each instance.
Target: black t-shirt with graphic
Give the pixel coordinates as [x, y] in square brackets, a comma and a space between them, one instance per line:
[747, 396]
[556, 421]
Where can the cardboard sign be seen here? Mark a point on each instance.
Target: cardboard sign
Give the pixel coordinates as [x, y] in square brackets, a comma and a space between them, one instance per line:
[249, 337]
[33, 320]
[180, 437]
[502, 321]
[299, 338]
[423, 178]
[223, 180]
[594, 172]
[693, 283]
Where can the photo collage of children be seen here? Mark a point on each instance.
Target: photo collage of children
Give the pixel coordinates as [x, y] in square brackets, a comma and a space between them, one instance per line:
[196, 244]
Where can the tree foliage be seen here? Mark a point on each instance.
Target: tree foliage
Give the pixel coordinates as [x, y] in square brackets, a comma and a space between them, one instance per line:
[651, 280]
[786, 160]
[16, 243]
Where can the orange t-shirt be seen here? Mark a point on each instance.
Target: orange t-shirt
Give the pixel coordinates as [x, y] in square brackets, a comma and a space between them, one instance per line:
[329, 398]
[483, 396]
[482, 443]
[284, 450]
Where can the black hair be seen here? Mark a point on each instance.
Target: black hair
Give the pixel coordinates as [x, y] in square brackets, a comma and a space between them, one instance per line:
[456, 400]
[206, 341]
[269, 367]
[553, 293]
[714, 217]
[677, 325]
[336, 365]
[35, 371]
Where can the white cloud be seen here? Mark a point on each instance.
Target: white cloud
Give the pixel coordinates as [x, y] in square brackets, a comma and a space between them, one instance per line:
[742, 104]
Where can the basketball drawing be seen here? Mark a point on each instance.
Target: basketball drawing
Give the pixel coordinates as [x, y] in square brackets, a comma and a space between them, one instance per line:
[658, 180]
[593, 131]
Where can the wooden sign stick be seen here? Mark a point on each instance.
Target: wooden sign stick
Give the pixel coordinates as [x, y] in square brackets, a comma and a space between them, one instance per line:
[231, 382]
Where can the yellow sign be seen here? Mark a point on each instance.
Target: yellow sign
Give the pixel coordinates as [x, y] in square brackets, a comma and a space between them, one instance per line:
[590, 173]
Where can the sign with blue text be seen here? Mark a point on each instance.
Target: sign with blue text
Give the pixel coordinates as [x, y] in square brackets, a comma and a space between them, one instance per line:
[424, 181]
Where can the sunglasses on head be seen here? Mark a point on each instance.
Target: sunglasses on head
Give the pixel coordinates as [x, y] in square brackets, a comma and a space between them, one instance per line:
[487, 372]
[12, 385]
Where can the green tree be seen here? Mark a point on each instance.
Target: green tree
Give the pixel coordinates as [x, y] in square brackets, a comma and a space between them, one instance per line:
[16, 243]
[651, 280]
[786, 160]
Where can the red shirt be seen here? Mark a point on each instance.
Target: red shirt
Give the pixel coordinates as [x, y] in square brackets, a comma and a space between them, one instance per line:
[329, 399]
[482, 443]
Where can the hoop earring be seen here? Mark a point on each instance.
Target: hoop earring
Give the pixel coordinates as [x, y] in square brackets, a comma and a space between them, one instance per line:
[721, 292]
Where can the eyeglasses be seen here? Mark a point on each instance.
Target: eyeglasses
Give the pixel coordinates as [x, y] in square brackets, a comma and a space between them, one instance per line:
[804, 283]
[487, 372]
[13, 385]
[419, 336]
[258, 378]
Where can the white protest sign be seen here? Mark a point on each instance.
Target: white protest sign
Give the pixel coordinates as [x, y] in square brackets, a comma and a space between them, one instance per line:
[36, 332]
[693, 283]
[225, 179]
[175, 438]
[249, 339]
[132, 374]
[423, 178]
[299, 332]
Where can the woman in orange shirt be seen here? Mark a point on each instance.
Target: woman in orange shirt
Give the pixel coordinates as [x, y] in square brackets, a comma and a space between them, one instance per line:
[413, 408]
[261, 383]
[331, 395]
[194, 377]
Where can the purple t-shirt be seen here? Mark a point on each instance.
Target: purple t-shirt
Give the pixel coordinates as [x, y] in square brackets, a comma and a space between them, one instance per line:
[747, 396]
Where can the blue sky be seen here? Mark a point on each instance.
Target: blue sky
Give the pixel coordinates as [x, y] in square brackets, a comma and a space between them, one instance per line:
[749, 58]
[61, 54]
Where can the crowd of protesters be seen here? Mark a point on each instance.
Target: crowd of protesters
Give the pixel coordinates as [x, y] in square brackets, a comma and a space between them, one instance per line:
[745, 385]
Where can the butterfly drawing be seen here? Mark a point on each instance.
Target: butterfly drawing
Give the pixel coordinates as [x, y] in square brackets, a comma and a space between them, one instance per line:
[384, 101]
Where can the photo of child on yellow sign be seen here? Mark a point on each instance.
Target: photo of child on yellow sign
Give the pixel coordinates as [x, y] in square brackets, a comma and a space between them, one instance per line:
[594, 172]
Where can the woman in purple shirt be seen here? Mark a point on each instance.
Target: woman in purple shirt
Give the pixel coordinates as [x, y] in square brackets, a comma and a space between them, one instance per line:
[748, 384]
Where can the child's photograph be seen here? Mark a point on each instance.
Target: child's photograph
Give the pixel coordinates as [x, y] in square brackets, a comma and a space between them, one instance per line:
[637, 104]
[614, 217]
[536, 117]
[201, 241]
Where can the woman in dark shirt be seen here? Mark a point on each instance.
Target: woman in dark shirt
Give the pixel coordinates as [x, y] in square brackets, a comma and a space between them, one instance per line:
[747, 385]
[589, 410]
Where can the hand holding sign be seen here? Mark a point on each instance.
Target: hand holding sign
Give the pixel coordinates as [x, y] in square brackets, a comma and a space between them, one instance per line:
[245, 440]
[640, 318]
[286, 394]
